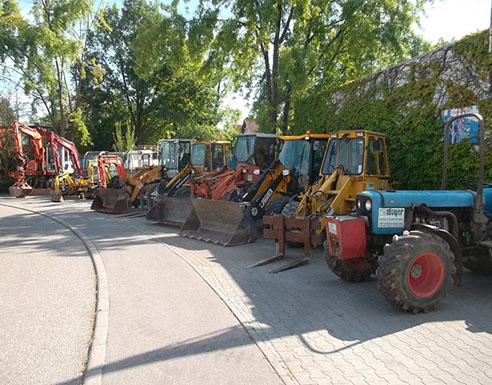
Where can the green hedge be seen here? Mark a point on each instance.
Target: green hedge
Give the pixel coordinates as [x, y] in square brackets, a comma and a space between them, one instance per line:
[408, 115]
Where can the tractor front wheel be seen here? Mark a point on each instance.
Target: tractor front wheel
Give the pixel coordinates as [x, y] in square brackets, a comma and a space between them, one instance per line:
[415, 271]
[353, 270]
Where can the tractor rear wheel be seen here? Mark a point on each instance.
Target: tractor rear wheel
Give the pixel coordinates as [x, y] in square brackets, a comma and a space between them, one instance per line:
[352, 270]
[276, 205]
[415, 271]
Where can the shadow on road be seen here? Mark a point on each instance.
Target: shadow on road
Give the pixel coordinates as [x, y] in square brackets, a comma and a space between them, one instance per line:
[292, 303]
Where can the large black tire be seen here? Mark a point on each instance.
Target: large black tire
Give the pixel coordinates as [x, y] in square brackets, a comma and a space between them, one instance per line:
[182, 192]
[276, 205]
[481, 264]
[290, 208]
[161, 187]
[352, 270]
[151, 189]
[416, 271]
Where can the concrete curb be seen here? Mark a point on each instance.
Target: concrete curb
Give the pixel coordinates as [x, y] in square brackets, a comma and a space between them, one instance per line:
[97, 347]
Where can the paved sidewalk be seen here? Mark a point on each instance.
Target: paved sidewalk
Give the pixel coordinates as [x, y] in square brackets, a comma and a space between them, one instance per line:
[47, 294]
[313, 327]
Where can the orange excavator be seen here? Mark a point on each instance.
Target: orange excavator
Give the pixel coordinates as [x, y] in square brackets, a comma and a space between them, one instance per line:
[35, 167]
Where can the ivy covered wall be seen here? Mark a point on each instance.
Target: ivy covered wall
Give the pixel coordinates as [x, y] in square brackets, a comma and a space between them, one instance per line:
[406, 102]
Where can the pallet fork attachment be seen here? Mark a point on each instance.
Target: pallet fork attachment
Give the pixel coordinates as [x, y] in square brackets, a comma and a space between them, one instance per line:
[287, 229]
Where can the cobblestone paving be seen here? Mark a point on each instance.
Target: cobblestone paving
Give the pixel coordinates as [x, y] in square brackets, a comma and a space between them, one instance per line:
[317, 329]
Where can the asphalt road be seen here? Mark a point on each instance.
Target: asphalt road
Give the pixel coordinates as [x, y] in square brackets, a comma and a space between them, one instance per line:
[166, 324]
[47, 294]
[184, 311]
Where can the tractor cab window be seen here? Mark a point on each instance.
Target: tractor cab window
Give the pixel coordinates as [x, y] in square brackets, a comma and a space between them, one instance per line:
[217, 156]
[319, 147]
[184, 154]
[245, 147]
[228, 155]
[295, 156]
[146, 160]
[382, 161]
[347, 153]
[168, 155]
[265, 152]
[199, 152]
[372, 151]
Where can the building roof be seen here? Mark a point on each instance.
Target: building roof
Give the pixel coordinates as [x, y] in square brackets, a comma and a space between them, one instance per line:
[249, 127]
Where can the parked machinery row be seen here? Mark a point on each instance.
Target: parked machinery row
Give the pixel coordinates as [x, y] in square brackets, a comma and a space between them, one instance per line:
[318, 189]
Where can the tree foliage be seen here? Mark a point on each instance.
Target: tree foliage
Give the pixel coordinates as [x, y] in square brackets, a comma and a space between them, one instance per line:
[42, 50]
[291, 46]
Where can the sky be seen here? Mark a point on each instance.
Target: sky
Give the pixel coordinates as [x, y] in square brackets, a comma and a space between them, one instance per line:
[444, 19]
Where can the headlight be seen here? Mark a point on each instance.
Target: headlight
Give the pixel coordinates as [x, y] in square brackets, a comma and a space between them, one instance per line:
[368, 205]
[256, 172]
[285, 172]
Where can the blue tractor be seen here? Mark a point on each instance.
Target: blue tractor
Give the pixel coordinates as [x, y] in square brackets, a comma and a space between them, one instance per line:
[417, 242]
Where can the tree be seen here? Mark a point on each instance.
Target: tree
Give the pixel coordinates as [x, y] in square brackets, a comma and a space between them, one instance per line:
[290, 47]
[7, 113]
[150, 77]
[43, 51]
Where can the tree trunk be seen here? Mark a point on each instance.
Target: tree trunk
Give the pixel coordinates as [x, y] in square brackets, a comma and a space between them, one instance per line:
[285, 115]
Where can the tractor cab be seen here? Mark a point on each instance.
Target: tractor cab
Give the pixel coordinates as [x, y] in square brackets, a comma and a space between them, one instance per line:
[138, 159]
[210, 156]
[355, 161]
[174, 155]
[303, 156]
[258, 150]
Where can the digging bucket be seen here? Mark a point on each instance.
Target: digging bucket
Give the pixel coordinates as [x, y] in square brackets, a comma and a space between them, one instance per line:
[111, 201]
[20, 191]
[223, 222]
[170, 211]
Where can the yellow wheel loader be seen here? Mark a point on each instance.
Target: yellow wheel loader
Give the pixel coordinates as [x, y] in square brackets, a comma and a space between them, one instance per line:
[354, 161]
[173, 154]
[234, 220]
[172, 201]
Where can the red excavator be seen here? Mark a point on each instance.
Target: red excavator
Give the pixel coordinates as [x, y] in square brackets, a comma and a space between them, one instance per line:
[35, 167]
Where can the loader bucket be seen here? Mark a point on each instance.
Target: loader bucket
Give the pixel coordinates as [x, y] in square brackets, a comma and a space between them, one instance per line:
[111, 201]
[221, 222]
[170, 211]
[20, 191]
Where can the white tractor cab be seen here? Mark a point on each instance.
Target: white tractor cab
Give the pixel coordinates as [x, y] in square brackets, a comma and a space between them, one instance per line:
[137, 159]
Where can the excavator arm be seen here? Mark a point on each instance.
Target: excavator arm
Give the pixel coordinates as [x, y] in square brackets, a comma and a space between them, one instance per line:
[21, 188]
[56, 141]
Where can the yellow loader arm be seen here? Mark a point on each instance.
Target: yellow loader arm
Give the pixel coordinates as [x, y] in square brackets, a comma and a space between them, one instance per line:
[138, 182]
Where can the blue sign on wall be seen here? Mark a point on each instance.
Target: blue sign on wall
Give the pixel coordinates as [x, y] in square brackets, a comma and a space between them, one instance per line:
[466, 128]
